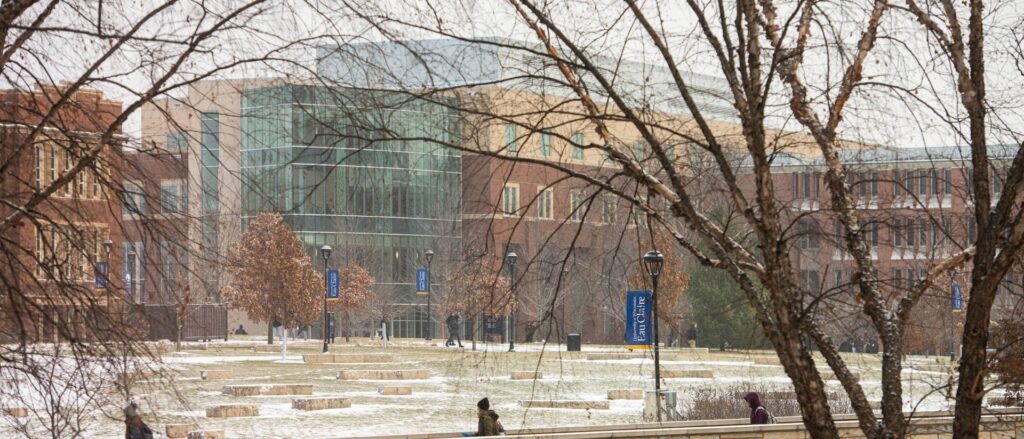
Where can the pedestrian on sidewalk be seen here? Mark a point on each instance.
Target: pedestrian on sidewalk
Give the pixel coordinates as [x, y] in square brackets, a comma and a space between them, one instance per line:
[691, 336]
[758, 414]
[134, 427]
[487, 421]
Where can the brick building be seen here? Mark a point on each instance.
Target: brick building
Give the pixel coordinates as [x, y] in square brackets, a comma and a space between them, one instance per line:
[54, 248]
[915, 207]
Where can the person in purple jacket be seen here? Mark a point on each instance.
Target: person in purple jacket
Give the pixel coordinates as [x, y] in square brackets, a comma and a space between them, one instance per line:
[758, 414]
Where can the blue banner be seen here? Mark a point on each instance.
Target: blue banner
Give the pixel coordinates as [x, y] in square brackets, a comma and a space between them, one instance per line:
[101, 275]
[494, 325]
[638, 318]
[333, 283]
[958, 298]
[422, 281]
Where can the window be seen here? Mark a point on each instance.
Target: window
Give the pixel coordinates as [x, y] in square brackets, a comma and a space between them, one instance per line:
[971, 229]
[134, 271]
[949, 182]
[577, 145]
[910, 182]
[67, 252]
[177, 142]
[510, 200]
[638, 150]
[922, 230]
[911, 281]
[134, 202]
[935, 182]
[173, 269]
[897, 278]
[896, 182]
[510, 138]
[910, 231]
[873, 227]
[545, 143]
[544, 204]
[210, 160]
[897, 233]
[172, 197]
[862, 184]
[576, 204]
[608, 214]
[922, 183]
[807, 185]
[874, 184]
[808, 233]
[997, 182]
[809, 280]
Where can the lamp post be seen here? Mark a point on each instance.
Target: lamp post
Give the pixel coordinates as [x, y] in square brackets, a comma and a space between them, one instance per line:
[654, 260]
[325, 253]
[565, 275]
[511, 258]
[430, 327]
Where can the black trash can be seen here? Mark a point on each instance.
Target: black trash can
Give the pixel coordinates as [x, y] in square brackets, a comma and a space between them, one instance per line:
[573, 343]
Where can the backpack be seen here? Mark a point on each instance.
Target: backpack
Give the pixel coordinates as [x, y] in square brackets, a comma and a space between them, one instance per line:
[770, 416]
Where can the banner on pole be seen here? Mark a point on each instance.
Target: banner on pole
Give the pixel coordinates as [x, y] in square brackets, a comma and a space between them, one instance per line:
[639, 325]
[958, 298]
[333, 284]
[422, 281]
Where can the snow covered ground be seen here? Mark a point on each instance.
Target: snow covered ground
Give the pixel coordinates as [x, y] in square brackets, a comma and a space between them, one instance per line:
[446, 401]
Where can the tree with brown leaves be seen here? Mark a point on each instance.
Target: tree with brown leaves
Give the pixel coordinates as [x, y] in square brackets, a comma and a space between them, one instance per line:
[356, 293]
[273, 276]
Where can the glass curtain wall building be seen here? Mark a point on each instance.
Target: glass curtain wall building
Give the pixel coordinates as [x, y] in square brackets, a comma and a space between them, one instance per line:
[365, 173]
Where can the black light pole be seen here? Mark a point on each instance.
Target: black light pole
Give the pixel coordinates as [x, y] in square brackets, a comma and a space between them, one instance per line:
[654, 261]
[563, 335]
[325, 253]
[430, 327]
[511, 258]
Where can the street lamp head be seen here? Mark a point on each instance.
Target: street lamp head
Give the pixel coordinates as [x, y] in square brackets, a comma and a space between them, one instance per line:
[325, 252]
[654, 261]
[511, 257]
[429, 254]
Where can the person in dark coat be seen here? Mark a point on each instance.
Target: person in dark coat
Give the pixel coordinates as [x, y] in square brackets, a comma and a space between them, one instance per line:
[487, 423]
[134, 427]
[758, 414]
[691, 336]
[241, 330]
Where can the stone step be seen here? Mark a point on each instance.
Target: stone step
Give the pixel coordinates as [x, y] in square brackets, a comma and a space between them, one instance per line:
[690, 373]
[605, 356]
[408, 374]
[217, 374]
[565, 404]
[626, 394]
[321, 403]
[16, 412]
[267, 348]
[346, 358]
[232, 411]
[268, 389]
[206, 434]
[394, 390]
[179, 430]
[766, 361]
[527, 375]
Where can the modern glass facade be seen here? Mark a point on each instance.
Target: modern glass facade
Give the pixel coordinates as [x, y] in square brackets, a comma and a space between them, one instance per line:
[363, 172]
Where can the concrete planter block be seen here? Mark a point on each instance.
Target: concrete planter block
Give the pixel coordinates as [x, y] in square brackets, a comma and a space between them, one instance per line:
[269, 389]
[217, 374]
[394, 390]
[267, 348]
[626, 394]
[321, 403]
[766, 361]
[16, 412]
[529, 375]
[346, 358]
[179, 430]
[565, 404]
[692, 373]
[232, 411]
[206, 434]
[412, 374]
[605, 356]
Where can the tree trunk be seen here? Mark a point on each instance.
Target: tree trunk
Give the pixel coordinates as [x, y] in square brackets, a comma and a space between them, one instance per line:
[970, 391]
[348, 329]
[472, 331]
[284, 345]
[270, 333]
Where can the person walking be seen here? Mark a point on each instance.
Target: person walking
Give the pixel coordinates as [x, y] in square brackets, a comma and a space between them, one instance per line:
[455, 329]
[758, 414]
[134, 427]
[449, 325]
[691, 336]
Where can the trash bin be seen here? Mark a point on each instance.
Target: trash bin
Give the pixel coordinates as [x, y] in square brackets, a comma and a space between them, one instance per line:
[573, 343]
[669, 406]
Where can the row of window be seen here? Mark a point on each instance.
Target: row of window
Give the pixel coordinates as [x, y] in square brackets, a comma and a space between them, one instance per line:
[512, 144]
[920, 182]
[68, 252]
[173, 198]
[53, 160]
[578, 204]
[903, 232]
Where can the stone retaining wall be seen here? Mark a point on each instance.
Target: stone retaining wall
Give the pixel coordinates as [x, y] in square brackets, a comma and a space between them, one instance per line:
[179, 430]
[217, 374]
[394, 390]
[693, 373]
[269, 389]
[527, 375]
[626, 394]
[206, 434]
[324, 403]
[232, 411]
[346, 358]
[17, 412]
[565, 404]
[410, 374]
